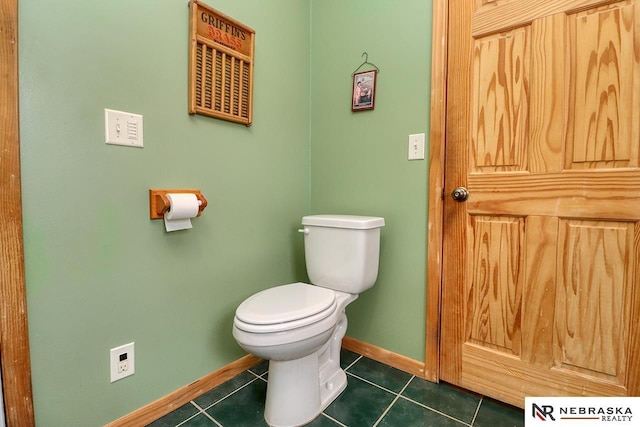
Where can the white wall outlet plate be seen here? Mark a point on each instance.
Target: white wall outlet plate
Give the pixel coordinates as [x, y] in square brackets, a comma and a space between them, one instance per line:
[122, 128]
[122, 361]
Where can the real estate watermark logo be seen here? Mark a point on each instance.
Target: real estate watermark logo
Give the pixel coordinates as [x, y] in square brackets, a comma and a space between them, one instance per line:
[544, 412]
[582, 411]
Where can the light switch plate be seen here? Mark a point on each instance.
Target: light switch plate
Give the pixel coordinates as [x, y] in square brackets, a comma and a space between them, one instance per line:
[123, 128]
[416, 146]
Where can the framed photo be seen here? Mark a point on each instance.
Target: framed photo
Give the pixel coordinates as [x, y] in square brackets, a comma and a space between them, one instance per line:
[364, 90]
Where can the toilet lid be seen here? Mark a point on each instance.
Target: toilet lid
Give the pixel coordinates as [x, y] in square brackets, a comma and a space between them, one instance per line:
[295, 304]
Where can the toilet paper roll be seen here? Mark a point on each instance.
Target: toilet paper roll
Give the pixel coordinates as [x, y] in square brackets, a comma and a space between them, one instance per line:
[184, 206]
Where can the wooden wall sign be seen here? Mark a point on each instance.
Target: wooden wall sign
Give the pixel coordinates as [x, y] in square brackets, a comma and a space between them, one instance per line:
[220, 65]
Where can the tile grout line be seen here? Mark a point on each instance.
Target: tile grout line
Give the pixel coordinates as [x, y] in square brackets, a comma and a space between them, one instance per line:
[435, 410]
[256, 373]
[202, 411]
[473, 420]
[191, 417]
[372, 383]
[353, 363]
[230, 394]
[333, 419]
[393, 402]
[257, 377]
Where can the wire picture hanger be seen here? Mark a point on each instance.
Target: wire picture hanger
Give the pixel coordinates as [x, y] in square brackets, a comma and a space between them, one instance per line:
[364, 86]
[366, 61]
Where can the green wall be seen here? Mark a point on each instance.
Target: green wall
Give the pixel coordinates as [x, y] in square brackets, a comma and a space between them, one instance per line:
[359, 160]
[101, 274]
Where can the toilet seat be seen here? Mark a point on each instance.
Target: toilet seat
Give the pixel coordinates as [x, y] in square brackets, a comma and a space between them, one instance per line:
[284, 308]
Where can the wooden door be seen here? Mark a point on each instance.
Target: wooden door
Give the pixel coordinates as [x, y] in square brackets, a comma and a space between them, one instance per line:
[540, 292]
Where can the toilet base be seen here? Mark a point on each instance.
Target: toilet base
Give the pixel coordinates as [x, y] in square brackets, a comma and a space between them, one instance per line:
[299, 390]
[294, 393]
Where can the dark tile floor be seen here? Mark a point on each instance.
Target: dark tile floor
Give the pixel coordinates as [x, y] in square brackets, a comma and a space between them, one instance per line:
[376, 395]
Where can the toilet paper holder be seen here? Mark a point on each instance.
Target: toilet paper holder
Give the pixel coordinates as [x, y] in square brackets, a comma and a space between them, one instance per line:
[159, 202]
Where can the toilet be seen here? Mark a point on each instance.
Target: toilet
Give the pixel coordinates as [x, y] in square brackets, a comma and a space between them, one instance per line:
[299, 327]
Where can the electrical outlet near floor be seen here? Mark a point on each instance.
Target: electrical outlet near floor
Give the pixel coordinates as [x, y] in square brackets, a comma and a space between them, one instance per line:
[122, 361]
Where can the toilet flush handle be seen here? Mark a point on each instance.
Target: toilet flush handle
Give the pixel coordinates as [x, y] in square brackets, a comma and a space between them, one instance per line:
[304, 230]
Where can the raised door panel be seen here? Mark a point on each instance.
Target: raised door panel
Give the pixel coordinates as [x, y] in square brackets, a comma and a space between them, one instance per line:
[495, 283]
[593, 300]
[604, 87]
[500, 113]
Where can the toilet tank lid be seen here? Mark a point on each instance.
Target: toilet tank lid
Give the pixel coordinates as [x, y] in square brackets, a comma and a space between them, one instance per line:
[344, 221]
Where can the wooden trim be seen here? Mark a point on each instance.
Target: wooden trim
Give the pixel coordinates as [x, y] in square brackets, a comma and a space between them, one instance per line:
[387, 357]
[437, 136]
[14, 336]
[161, 407]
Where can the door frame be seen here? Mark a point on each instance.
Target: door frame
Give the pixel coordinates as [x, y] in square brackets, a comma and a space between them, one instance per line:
[437, 139]
[14, 335]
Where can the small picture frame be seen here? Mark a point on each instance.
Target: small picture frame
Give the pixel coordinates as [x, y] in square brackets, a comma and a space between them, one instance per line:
[364, 90]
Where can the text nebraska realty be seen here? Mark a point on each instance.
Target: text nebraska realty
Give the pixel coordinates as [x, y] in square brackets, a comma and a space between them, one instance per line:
[608, 413]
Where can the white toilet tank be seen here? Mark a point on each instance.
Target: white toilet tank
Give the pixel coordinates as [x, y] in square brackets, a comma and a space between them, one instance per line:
[342, 251]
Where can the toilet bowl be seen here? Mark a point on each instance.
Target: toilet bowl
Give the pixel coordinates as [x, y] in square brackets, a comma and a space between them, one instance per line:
[299, 327]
